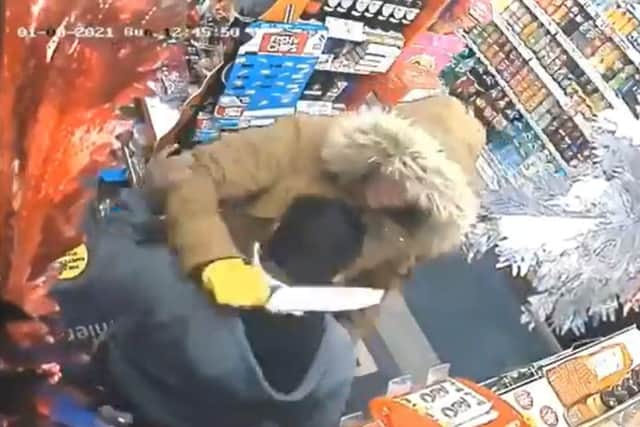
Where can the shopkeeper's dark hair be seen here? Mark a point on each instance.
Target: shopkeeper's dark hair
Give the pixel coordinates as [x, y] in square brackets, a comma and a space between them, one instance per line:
[317, 238]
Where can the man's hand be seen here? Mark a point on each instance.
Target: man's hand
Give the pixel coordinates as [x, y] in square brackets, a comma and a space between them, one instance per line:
[235, 283]
[51, 371]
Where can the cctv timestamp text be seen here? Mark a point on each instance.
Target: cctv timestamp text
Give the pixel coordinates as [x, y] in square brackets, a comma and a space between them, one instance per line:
[77, 31]
[181, 33]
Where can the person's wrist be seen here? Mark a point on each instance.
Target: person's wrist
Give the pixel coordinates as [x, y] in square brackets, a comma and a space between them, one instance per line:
[197, 273]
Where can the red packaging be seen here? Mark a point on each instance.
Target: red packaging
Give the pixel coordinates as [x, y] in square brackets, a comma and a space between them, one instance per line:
[58, 119]
[418, 66]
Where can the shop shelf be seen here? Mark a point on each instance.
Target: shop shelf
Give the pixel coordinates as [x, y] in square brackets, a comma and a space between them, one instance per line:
[553, 86]
[514, 98]
[390, 87]
[632, 53]
[586, 66]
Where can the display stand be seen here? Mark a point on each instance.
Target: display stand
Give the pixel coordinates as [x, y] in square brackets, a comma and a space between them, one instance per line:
[269, 73]
[188, 111]
[562, 388]
[211, 88]
[581, 59]
[595, 386]
[514, 98]
[390, 88]
[447, 402]
[356, 46]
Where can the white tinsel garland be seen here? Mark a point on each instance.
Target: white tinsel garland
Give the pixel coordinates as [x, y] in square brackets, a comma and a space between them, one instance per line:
[578, 238]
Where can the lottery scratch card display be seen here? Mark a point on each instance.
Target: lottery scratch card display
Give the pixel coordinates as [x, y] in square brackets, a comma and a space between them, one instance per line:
[269, 74]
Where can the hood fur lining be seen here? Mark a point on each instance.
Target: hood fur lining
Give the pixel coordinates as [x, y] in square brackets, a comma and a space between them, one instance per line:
[360, 142]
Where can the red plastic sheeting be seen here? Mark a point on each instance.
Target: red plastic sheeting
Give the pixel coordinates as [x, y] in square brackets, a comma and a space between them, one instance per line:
[57, 122]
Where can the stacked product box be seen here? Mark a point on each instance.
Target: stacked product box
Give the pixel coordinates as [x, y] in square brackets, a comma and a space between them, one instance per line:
[597, 386]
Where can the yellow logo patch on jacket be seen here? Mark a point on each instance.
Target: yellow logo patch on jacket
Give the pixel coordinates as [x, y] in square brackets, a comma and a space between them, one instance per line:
[73, 263]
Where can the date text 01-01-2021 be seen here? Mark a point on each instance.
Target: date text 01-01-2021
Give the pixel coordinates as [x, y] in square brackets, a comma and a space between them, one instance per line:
[79, 31]
[109, 32]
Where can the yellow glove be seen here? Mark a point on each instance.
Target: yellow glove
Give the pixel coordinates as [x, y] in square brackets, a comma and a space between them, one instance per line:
[235, 283]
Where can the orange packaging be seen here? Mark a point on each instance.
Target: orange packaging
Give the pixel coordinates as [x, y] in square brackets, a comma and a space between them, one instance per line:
[390, 88]
[285, 11]
[418, 66]
[585, 375]
[406, 410]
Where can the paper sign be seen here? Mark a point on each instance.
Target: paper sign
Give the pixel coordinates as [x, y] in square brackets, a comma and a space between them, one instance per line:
[449, 402]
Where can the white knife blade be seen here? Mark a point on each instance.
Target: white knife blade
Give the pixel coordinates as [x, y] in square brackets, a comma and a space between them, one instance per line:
[328, 299]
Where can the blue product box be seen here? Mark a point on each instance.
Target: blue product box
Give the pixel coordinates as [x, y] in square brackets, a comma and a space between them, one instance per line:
[270, 72]
[114, 175]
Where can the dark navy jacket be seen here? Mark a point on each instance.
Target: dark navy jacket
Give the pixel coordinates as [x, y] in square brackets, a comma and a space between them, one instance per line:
[181, 360]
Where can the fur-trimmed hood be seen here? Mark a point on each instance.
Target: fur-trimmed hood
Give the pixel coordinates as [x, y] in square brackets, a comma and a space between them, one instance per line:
[243, 184]
[400, 147]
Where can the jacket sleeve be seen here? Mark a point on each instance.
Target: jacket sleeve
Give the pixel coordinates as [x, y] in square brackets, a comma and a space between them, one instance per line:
[239, 165]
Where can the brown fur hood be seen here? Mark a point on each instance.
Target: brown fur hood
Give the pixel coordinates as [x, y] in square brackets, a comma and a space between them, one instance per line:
[404, 148]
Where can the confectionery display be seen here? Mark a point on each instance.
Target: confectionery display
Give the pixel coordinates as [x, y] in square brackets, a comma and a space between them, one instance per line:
[596, 386]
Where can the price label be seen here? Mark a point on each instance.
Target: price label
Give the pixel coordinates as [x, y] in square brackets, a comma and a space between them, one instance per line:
[344, 29]
[231, 111]
[607, 363]
[283, 43]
